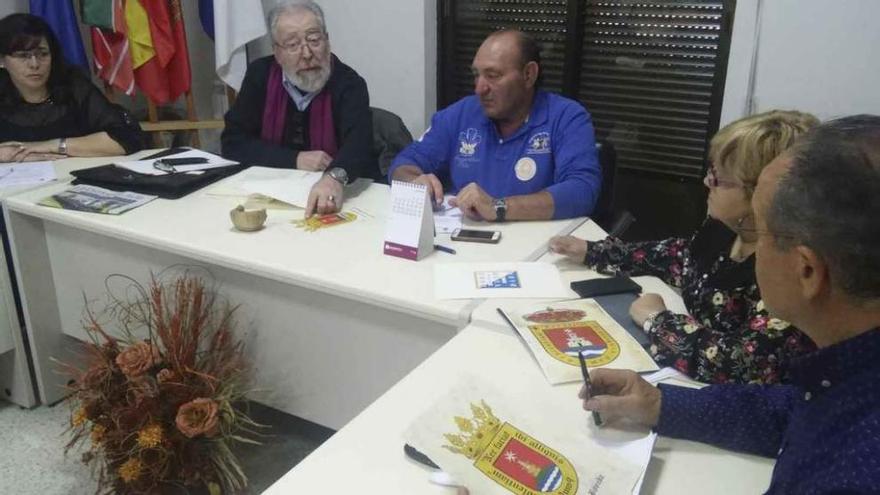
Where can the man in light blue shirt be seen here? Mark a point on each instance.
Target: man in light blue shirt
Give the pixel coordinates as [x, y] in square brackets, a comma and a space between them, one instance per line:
[511, 151]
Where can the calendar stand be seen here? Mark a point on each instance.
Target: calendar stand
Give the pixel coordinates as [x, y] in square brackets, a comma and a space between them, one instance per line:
[410, 232]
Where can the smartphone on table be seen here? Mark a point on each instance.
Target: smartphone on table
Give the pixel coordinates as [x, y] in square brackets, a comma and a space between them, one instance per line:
[470, 235]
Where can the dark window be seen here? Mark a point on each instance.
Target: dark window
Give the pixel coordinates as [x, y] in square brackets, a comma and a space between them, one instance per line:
[651, 73]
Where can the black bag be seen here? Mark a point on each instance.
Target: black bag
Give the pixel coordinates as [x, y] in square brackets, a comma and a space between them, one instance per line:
[169, 186]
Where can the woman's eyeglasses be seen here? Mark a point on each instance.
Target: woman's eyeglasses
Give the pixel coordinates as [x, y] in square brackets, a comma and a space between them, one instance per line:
[712, 180]
[39, 54]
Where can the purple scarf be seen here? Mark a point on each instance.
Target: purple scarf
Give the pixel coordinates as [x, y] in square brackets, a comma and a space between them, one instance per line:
[322, 135]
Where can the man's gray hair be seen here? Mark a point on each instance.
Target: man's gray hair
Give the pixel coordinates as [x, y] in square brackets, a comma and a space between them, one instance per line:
[286, 6]
[829, 201]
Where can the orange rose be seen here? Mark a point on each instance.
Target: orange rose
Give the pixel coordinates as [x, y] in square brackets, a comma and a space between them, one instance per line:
[137, 359]
[198, 417]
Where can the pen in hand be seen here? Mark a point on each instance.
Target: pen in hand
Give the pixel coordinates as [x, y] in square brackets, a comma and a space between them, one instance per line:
[588, 387]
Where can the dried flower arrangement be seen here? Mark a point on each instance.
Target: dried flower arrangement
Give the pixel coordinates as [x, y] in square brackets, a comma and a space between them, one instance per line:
[158, 402]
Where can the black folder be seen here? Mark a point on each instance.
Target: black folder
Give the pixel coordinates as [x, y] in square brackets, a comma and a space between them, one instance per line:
[169, 186]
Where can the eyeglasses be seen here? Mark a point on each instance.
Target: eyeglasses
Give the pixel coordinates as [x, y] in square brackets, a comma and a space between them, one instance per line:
[40, 54]
[164, 166]
[314, 41]
[713, 181]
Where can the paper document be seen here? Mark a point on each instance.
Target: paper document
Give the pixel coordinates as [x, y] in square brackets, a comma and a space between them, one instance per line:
[493, 280]
[96, 200]
[494, 443]
[146, 166]
[293, 189]
[26, 174]
[557, 332]
[447, 218]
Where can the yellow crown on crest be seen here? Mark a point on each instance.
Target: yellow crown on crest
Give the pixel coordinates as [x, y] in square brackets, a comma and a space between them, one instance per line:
[475, 433]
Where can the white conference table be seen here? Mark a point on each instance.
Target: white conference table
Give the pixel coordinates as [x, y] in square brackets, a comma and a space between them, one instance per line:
[366, 456]
[15, 378]
[330, 322]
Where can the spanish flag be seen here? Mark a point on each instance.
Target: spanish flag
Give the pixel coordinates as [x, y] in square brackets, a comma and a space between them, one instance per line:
[139, 37]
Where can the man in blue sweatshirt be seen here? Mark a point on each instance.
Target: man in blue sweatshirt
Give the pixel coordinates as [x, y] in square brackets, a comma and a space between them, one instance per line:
[510, 151]
[818, 266]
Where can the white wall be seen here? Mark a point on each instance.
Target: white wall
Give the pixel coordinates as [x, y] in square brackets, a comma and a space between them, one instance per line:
[392, 44]
[12, 6]
[819, 56]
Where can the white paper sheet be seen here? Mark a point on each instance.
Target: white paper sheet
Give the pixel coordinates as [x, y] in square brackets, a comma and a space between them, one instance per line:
[497, 280]
[293, 189]
[488, 440]
[26, 174]
[447, 218]
[556, 332]
[146, 166]
[672, 376]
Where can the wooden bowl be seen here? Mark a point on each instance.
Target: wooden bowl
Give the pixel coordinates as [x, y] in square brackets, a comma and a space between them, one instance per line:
[247, 220]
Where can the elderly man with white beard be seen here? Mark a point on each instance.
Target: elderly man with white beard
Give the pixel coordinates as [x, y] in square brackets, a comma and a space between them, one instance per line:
[303, 108]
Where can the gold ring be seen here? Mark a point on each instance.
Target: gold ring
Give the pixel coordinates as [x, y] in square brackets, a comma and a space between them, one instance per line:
[331, 198]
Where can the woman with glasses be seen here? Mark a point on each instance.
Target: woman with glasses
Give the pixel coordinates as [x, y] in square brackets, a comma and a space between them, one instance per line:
[728, 335]
[50, 110]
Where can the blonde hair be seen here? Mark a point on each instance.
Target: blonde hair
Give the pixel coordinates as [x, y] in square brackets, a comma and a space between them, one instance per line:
[743, 148]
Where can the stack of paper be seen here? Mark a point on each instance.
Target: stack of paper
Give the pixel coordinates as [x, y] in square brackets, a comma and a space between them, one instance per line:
[147, 167]
[26, 174]
[293, 189]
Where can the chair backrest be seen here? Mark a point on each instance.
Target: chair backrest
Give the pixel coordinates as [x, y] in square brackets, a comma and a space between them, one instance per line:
[603, 212]
[390, 137]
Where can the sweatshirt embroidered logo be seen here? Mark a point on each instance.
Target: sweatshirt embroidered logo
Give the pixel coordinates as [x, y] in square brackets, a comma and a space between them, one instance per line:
[509, 456]
[563, 341]
[539, 143]
[468, 141]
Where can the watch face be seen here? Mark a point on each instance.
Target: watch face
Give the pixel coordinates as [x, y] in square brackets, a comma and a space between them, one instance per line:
[339, 174]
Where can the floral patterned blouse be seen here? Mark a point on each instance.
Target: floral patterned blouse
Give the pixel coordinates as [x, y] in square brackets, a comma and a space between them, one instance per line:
[728, 336]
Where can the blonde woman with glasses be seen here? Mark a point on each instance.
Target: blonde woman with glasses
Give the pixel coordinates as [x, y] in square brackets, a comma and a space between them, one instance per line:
[727, 335]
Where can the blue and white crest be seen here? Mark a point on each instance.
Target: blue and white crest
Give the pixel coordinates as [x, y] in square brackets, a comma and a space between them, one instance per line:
[469, 140]
[539, 143]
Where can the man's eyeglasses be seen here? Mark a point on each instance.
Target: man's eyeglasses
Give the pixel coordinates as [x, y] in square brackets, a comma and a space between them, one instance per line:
[314, 41]
[40, 54]
[712, 180]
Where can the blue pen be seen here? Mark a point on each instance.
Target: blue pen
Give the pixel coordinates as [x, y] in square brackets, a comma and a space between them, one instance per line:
[444, 249]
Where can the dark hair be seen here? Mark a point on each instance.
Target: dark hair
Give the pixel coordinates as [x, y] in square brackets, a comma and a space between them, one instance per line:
[24, 32]
[529, 50]
[829, 200]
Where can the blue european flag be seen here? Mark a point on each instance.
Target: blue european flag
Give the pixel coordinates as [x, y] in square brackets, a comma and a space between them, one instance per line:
[61, 16]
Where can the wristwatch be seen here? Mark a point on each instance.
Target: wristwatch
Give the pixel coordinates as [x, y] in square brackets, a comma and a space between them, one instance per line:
[500, 205]
[62, 146]
[339, 174]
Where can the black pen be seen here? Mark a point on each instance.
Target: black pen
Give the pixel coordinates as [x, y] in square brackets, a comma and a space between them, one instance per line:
[588, 387]
[444, 249]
